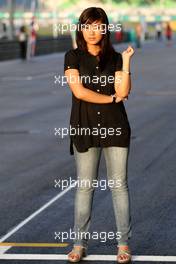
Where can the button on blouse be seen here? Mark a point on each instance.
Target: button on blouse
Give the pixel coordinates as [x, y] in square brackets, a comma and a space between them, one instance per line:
[95, 116]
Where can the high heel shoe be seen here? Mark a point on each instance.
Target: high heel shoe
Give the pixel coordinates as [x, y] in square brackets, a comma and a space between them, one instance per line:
[77, 253]
[124, 251]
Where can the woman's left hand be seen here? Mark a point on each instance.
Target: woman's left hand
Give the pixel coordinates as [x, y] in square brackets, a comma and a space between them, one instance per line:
[128, 53]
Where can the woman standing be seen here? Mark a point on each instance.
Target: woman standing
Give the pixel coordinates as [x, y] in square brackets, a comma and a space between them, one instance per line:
[22, 37]
[168, 33]
[97, 106]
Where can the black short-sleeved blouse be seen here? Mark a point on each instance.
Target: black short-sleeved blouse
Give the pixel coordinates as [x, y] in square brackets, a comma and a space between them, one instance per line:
[102, 125]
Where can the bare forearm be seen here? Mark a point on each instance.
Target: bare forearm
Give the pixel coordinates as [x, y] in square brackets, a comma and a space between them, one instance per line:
[126, 67]
[123, 89]
[94, 97]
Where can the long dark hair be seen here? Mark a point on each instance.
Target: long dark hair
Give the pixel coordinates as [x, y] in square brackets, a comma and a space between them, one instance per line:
[88, 16]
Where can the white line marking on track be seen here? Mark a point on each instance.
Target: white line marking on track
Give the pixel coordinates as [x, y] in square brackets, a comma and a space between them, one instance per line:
[4, 249]
[29, 218]
[89, 258]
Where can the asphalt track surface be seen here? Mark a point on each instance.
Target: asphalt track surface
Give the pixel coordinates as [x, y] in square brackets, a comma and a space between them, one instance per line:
[32, 157]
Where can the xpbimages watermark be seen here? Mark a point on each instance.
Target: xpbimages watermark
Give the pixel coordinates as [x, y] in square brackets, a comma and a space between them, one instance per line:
[102, 28]
[103, 132]
[71, 235]
[103, 80]
[86, 183]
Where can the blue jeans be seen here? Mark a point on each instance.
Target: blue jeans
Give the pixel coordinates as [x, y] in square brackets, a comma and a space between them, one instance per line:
[87, 165]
